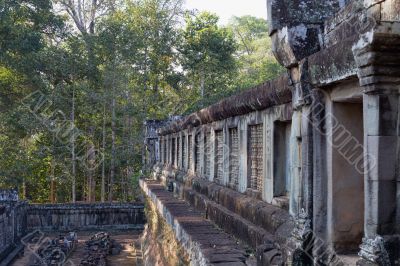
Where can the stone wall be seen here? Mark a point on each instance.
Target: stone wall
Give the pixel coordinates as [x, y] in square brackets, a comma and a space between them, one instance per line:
[159, 244]
[253, 123]
[18, 218]
[330, 127]
[76, 217]
[12, 225]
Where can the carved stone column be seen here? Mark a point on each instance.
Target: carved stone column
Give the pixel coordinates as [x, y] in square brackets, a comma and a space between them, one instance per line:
[377, 55]
[295, 29]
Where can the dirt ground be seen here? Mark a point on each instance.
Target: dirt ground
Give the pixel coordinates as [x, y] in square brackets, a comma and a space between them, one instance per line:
[130, 255]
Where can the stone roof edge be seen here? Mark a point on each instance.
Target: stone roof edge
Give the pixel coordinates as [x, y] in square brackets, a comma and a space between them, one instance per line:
[268, 94]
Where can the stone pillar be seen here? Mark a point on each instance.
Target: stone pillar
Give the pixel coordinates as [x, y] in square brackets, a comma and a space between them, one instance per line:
[381, 85]
[186, 153]
[320, 180]
[168, 149]
[381, 137]
[306, 200]
[268, 168]
[225, 160]
[301, 161]
[181, 160]
[202, 171]
[243, 150]
[157, 150]
[306, 171]
[295, 30]
[212, 155]
[174, 142]
[381, 142]
[296, 185]
[192, 150]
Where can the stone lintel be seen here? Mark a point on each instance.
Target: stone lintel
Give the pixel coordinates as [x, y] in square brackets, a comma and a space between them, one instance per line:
[377, 56]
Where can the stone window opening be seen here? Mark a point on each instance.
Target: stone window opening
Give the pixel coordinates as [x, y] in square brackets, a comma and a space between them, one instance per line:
[190, 153]
[173, 151]
[281, 163]
[255, 158]
[178, 152]
[219, 157]
[207, 155]
[161, 150]
[184, 153]
[165, 151]
[234, 158]
[197, 153]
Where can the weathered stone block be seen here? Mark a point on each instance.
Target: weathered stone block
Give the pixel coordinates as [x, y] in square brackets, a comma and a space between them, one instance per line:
[290, 45]
[85, 216]
[381, 114]
[391, 10]
[283, 13]
[382, 157]
[381, 202]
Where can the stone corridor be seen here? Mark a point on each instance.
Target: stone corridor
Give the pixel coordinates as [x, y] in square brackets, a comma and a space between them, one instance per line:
[320, 145]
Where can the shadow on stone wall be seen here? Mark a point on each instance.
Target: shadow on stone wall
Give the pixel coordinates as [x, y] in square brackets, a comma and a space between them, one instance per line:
[159, 244]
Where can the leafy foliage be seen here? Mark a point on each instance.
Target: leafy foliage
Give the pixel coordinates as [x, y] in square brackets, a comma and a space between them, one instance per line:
[77, 83]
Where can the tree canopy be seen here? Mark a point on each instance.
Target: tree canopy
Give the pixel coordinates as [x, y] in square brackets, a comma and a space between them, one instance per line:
[78, 79]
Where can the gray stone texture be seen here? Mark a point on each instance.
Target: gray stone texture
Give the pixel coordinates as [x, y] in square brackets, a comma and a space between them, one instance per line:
[341, 97]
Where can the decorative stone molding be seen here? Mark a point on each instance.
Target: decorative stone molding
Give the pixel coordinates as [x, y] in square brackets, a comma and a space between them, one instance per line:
[300, 248]
[373, 250]
[302, 86]
[9, 195]
[376, 49]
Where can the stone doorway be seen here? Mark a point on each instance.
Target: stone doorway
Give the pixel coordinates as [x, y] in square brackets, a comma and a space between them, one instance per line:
[282, 176]
[346, 185]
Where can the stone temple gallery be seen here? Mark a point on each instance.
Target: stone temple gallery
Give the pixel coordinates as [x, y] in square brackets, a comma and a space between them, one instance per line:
[300, 170]
[305, 168]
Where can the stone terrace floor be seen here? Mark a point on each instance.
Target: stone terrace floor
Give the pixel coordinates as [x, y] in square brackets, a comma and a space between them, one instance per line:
[202, 239]
[128, 256]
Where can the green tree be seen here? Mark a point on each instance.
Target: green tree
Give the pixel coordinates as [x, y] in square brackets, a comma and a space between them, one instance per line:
[255, 59]
[208, 56]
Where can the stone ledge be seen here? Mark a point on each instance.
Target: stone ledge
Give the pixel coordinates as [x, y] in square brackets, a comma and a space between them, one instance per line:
[204, 242]
[67, 217]
[86, 206]
[268, 94]
[271, 218]
[8, 257]
[253, 221]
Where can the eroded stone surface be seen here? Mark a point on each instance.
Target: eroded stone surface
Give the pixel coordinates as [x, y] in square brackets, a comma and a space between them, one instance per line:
[204, 242]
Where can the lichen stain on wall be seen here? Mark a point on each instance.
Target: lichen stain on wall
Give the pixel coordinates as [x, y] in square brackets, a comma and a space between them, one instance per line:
[159, 244]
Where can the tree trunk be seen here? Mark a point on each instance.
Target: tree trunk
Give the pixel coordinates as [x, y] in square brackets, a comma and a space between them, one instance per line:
[103, 166]
[130, 156]
[23, 189]
[52, 183]
[113, 137]
[91, 177]
[52, 170]
[91, 156]
[202, 86]
[73, 155]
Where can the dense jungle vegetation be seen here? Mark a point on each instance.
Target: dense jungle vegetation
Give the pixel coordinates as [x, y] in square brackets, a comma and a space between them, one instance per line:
[78, 79]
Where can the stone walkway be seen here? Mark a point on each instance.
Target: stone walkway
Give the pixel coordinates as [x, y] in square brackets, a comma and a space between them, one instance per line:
[128, 256]
[203, 241]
